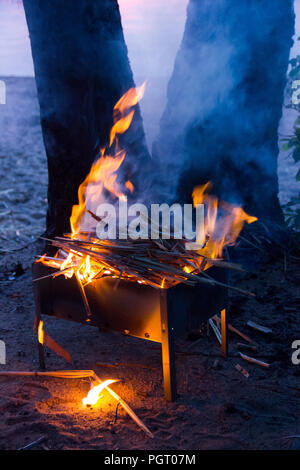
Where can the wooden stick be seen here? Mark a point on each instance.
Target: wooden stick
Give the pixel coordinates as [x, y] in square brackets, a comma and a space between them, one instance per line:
[125, 364]
[83, 296]
[56, 273]
[234, 330]
[57, 348]
[143, 260]
[238, 332]
[252, 360]
[126, 408]
[62, 374]
[256, 326]
[242, 370]
[215, 330]
[224, 333]
[33, 444]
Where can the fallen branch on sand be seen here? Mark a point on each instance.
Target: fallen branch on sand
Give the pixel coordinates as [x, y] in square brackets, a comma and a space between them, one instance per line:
[33, 444]
[242, 371]
[234, 330]
[260, 328]
[252, 360]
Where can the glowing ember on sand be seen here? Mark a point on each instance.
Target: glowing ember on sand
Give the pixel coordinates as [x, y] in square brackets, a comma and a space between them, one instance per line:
[94, 394]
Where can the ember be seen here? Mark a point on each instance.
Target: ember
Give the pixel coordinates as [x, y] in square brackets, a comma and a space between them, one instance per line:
[94, 394]
[160, 264]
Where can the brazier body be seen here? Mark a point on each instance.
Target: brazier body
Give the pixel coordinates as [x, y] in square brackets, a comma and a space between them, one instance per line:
[159, 315]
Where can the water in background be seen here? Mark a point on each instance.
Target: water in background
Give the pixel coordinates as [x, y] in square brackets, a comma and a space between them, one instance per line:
[153, 35]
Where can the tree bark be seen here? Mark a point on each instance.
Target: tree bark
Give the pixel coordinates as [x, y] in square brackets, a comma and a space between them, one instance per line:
[81, 69]
[225, 101]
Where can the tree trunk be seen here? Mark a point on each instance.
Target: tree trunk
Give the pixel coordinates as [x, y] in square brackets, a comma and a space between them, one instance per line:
[225, 101]
[81, 69]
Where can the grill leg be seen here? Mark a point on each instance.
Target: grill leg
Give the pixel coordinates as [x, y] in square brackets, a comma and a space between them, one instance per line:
[38, 317]
[224, 333]
[168, 352]
[41, 356]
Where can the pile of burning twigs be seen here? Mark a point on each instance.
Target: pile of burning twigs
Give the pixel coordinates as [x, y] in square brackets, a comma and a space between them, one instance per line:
[158, 263]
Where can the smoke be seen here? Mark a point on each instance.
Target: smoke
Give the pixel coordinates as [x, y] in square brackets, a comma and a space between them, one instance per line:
[224, 101]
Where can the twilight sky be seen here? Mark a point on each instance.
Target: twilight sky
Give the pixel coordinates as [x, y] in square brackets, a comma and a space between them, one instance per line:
[153, 30]
[152, 33]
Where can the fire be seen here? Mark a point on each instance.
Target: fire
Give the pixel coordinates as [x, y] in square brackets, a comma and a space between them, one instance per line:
[188, 269]
[223, 221]
[129, 186]
[41, 334]
[103, 174]
[94, 394]
[222, 225]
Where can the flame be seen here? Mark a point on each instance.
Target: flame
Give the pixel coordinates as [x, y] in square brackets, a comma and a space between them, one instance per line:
[41, 334]
[188, 269]
[129, 186]
[103, 172]
[94, 394]
[222, 225]
[130, 98]
[103, 175]
[223, 221]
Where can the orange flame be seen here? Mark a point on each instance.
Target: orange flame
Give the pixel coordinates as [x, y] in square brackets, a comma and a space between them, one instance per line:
[129, 186]
[41, 334]
[94, 394]
[103, 175]
[222, 225]
[103, 172]
[223, 221]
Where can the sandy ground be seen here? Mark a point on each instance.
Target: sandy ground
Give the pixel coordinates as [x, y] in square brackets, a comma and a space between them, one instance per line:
[23, 166]
[218, 408]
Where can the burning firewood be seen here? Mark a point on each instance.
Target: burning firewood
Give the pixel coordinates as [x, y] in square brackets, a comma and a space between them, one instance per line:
[127, 409]
[158, 263]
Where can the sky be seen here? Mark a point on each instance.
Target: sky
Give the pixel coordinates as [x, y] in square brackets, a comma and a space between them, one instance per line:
[152, 33]
[153, 30]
